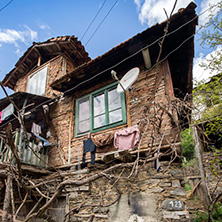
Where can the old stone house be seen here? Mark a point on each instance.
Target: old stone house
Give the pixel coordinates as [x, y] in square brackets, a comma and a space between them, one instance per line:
[63, 95]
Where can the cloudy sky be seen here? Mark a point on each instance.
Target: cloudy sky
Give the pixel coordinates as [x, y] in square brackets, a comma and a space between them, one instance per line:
[24, 22]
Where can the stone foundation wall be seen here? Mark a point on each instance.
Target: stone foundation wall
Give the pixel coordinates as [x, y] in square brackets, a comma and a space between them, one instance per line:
[147, 196]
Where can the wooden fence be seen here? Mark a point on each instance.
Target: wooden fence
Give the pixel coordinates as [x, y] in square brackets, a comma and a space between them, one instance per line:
[38, 158]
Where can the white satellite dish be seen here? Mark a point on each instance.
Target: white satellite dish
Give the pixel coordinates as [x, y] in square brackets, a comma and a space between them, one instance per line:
[128, 79]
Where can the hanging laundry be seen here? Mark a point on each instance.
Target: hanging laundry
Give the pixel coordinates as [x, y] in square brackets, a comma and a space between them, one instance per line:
[36, 129]
[104, 142]
[45, 142]
[88, 146]
[8, 111]
[103, 139]
[127, 138]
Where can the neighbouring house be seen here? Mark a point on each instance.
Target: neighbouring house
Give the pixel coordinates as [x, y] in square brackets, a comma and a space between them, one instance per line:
[62, 95]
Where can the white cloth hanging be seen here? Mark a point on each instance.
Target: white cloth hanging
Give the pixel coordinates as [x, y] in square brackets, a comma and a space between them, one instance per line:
[36, 129]
[8, 111]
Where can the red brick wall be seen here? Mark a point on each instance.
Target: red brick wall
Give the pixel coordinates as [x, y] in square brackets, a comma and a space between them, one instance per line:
[62, 113]
[61, 116]
[57, 67]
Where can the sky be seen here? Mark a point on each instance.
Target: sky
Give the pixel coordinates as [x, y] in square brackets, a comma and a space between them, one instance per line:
[23, 22]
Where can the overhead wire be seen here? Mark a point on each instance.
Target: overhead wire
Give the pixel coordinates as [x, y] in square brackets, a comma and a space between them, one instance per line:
[130, 57]
[101, 22]
[6, 5]
[140, 50]
[123, 60]
[93, 20]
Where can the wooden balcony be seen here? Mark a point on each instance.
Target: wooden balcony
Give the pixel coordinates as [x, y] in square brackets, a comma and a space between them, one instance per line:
[37, 158]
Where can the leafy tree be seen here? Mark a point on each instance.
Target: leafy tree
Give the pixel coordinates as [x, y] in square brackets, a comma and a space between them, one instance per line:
[208, 95]
[208, 98]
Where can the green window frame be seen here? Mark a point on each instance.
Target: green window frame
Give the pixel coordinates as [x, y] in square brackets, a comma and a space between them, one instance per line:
[100, 110]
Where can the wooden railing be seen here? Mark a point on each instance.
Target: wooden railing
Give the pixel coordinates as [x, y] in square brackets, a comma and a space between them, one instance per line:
[27, 156]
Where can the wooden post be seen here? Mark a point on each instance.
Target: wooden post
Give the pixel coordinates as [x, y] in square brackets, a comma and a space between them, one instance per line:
[12, 201]
[146, 58]
[70, 132]
[168, 80]
[21, 125]
[6, 204]
[200, 163]
[13, 148]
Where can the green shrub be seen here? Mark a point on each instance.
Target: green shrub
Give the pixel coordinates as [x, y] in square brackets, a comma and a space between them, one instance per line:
[216, 215]
[187, 143]
[187, 187]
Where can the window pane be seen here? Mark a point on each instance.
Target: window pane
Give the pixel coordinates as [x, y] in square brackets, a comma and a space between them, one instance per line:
[114, 99]
[99, 104]
[32, 82]
[37, 82]
[84, 126]
[41, 75]
[84, 111]
[99, 121]
[115, 116]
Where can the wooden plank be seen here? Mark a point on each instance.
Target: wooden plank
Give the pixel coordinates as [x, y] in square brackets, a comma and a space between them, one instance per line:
[168, 80]
[31, 157]
[35, 169]
[6, 155]
[6, 203]
[42, 158]
[85, 188]
[1, 146]
[119, 154]
[123, 156]
[36, 160]
[128, 108]
[146, 58]
[23, 152]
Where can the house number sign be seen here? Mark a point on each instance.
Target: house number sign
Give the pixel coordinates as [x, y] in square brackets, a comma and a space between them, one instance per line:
[175, 204]
[172, 204]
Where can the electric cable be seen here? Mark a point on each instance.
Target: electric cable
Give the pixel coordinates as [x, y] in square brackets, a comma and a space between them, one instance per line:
[93, 20]
[101, 22]
[6, 5]
[121, 62]
[112, 67]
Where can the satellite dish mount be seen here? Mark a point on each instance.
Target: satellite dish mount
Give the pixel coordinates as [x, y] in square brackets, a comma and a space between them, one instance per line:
[127, 81]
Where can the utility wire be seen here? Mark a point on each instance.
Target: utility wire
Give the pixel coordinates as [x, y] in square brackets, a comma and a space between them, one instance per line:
[93, 20]
[140, 50]
[112, 67]
[6, 5]
[101, 22]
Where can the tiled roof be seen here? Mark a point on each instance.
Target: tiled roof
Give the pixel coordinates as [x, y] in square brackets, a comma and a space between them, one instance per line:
[46, 50]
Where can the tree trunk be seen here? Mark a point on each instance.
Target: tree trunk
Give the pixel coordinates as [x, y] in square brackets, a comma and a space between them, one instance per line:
[6, 204]
[200, 163]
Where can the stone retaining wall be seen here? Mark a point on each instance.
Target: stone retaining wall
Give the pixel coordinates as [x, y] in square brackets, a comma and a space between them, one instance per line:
[147, 196]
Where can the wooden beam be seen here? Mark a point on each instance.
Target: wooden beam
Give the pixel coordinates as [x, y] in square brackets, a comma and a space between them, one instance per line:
[168, 80]
[39, 61]
[35, 169]
[122, 155]
[146, 58]
[6, 204]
